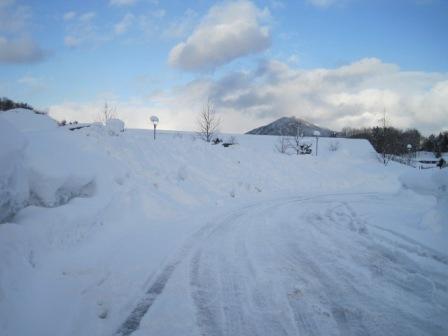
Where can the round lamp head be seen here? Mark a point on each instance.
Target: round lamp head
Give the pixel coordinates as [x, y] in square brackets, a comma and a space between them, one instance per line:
[409, 146]
[316, 133]
[154, 120]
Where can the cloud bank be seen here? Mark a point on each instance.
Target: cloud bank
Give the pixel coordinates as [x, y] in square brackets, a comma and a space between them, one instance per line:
[353, 95]
[228, 31]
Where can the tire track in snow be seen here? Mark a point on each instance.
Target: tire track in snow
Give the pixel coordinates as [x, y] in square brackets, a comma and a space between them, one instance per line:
[211, 317]
[216, 317]
[341, 310]
[412, 246]
[133, 320]
[401, 273]
[219, 288]
[207, 319]
[335, 316]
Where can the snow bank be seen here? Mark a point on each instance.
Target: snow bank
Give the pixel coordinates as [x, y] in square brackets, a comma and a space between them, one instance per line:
[106, 210]
[114, 126]
[49, 171]
[13, 179]
[16, 264]
[62, 165]
[440, 181]
[429, 181]
[60, 168]
[29, 121]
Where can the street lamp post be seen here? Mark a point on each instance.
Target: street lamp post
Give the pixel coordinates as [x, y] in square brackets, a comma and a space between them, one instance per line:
[317, 134]
[409, 147]
[154, 121]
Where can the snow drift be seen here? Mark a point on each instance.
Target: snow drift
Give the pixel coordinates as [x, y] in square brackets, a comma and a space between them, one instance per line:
[91, 215]
[14, 187]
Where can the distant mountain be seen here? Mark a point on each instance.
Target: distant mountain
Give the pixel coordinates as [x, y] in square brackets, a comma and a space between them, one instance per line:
[288, 126]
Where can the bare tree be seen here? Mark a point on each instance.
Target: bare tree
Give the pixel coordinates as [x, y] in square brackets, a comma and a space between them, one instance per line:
[296, 141]
[107, 113]
[333, 146]
[208, 122]
[282, 144]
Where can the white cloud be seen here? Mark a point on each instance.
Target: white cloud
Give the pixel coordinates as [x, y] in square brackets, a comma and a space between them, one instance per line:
[14, 19]
[20, 50]
[228, 31]
[293, 59]
[325, 3]
[144, 26]
[4, 3]
[32, 85]
[124, 24]
[72, 41]
[16, 43]
[134, 113]
[425, 2]
[29, 80]
[352, 95]
[89, 16]
[122, 2]
[82, 112]
[82, 31]
[277, 4]
[182, 26]
[159, 13]
[69, 16]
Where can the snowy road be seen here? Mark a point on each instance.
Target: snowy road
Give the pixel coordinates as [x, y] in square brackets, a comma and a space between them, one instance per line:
[297, 266]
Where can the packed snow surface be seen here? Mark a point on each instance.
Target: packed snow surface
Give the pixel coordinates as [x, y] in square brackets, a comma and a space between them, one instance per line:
[112, 233]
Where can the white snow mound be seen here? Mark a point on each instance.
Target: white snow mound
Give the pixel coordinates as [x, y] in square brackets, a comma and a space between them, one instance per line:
[114, 126]
[13, 179]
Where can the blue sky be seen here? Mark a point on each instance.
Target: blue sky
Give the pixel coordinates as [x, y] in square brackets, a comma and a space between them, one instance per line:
[334, 62]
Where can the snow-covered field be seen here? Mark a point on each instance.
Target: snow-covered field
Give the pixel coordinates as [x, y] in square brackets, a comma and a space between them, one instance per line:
[113, 233]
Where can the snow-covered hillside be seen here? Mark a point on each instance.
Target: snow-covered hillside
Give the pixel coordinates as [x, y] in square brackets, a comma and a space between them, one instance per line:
[288, 126]
[114, 233]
